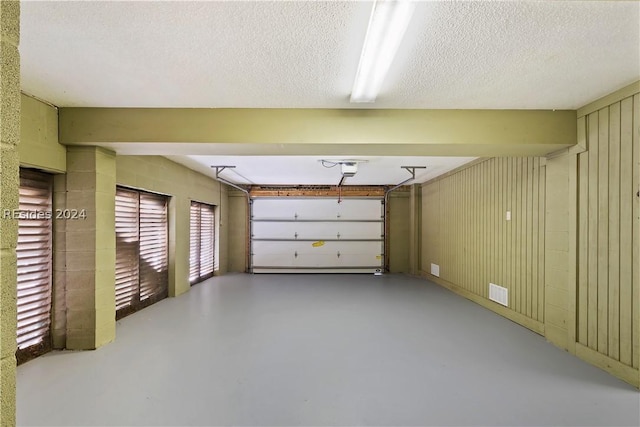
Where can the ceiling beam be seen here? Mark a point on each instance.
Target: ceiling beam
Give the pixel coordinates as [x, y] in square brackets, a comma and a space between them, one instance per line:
[318, 131]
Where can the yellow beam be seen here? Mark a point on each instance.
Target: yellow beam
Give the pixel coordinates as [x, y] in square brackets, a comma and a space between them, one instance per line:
[306, 131]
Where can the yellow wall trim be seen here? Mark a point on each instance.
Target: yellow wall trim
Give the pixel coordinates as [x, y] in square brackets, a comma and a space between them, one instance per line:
[615, 368]
[534, 325]
[612, 98]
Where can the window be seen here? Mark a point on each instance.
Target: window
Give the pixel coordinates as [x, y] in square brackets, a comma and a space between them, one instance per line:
[34, 265]
[202, 245]
[141, 250]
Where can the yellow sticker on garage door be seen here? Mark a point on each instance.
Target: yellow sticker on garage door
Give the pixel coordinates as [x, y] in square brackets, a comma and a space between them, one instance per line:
[378, 256]
[318, 243]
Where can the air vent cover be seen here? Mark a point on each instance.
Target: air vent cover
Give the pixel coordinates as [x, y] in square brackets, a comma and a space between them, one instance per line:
[499, 294]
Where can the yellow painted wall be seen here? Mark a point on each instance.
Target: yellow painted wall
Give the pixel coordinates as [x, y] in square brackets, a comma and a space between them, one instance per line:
[160, 175]
[9, 163]
[570, 256]
[465, 232]
[399, 228]
[238, 223]
[608, 250]
[39, 147]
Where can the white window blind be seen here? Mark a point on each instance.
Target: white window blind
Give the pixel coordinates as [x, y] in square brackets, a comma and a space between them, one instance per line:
[154, 263]
[127, 215]
[34, 265]
[141, 250]
[202, 242]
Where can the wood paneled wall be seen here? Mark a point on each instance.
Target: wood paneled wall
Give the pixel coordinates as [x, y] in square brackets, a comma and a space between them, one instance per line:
[570, 256]
[608, 297]
[465, 230]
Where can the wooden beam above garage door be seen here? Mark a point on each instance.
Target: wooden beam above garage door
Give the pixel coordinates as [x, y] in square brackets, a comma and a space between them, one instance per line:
[317, 131]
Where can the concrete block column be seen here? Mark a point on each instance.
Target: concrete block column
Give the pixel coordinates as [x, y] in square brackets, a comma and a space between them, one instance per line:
[90, 248]
[560, 256]
[9, 182]
[415, 229]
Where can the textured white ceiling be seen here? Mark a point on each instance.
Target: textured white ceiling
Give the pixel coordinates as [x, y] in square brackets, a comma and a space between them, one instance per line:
[305, 170]
[304, 54]
[525, 55]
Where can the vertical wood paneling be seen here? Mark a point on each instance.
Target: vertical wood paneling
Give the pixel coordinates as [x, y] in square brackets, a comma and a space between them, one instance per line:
[613, 333]
[592, 313]
[535, 254]
[475, 174]
[503, 209]
[583, 247]
[603, 228]
[478, 244]
[626, 223]
[494, 228]
[518, 235]
[636, 232]
[467, 229]
[608, 233]
[511, 232]
[542, 197]
[528, 237]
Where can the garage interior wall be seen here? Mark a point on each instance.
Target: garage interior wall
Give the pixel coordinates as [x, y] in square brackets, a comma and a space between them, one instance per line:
[238, 231]
[399, 231]
[86, 177]
[160, 175]
[569, 254]
[465, 233]
[9, 182]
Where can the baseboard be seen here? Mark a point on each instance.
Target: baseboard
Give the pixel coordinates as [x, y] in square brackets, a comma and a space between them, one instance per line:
[534, 325]
[620, 370]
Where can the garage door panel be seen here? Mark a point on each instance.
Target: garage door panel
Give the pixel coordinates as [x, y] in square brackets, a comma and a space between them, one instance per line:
[316, 230]
[316, 235]
[317, 209]
[329, 254]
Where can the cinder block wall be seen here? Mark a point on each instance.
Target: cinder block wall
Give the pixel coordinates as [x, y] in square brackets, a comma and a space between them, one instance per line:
[90, 248]
[9, 139]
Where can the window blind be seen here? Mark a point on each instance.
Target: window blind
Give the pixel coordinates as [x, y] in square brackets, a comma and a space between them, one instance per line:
[127, 214]
[153, 247]
[141, 250]
[202, 242]
[34, 265]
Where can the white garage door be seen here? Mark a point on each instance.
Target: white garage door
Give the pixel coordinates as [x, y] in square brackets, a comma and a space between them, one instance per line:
[317, 235]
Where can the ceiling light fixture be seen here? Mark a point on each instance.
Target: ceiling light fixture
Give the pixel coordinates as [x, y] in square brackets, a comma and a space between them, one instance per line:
[388, 23]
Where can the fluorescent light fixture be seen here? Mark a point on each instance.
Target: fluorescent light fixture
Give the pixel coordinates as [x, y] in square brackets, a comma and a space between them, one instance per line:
[387, 25]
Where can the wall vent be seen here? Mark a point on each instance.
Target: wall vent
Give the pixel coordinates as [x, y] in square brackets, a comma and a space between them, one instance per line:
[499, 294]
[435, 270]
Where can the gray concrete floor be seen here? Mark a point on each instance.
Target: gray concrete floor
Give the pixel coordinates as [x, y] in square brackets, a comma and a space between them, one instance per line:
[321, 350]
